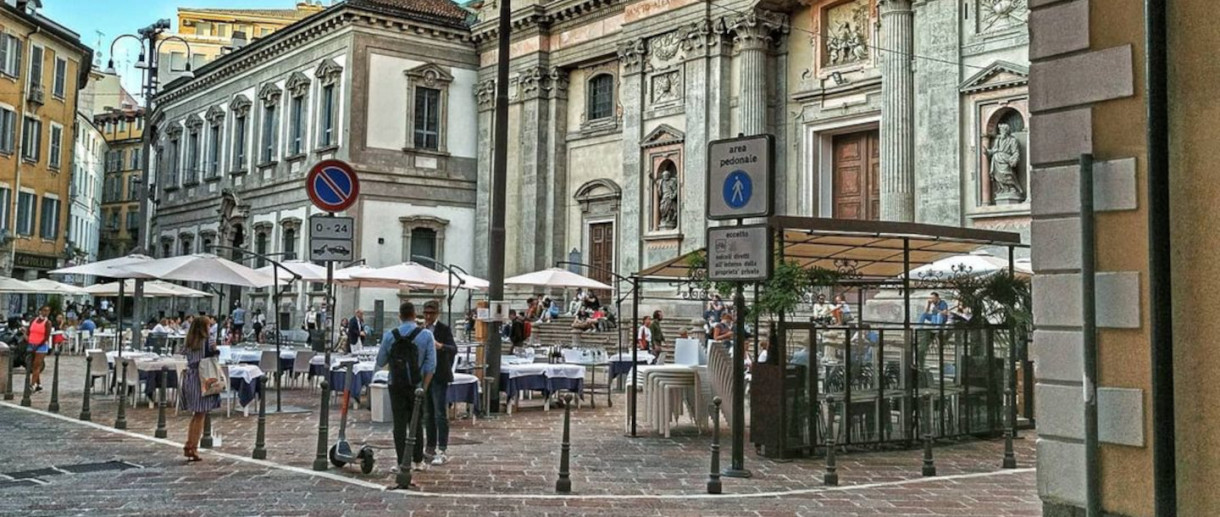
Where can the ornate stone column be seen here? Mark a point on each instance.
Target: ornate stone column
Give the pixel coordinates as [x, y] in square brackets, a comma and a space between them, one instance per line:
[485, 95]
[753, 36]
[532, 172]
[631, 55]
[897, 112]
[557, 169]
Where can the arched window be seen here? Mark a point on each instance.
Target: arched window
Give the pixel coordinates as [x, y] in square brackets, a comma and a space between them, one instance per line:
[600, 97]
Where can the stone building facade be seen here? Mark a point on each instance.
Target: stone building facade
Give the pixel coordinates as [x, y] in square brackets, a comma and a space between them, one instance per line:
[123, 130]
[881, 109]
[386, 86]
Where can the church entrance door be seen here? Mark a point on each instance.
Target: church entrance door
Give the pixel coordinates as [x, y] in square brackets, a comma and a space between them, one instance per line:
[857, 175]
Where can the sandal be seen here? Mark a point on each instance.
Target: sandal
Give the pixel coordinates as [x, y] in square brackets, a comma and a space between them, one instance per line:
[192, 454]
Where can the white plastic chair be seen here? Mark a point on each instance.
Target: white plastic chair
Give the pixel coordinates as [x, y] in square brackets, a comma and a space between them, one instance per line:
[269, 363]
[98, 367]
[300, 366]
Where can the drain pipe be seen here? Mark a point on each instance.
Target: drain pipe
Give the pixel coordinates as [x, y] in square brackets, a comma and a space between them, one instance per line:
[1164, 456]
[1088, 299]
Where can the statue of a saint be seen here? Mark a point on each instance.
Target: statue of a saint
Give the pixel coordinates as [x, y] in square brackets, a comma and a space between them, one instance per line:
[667, 186]
[1005, 153]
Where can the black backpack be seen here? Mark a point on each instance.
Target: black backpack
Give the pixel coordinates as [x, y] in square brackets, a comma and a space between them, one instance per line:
[404, 360]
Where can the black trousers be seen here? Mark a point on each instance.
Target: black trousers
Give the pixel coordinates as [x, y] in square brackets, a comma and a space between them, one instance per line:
[402, 403]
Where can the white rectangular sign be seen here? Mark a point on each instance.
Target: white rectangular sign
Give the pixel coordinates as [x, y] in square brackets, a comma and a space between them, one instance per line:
[739, 177]
[331, 250]
[324, 227]
[739, 253]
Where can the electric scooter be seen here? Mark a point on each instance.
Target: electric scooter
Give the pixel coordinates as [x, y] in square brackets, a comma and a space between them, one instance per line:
[341, 452]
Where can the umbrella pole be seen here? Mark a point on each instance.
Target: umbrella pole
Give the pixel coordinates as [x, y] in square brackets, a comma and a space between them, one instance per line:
[279, 382]
[118, 331]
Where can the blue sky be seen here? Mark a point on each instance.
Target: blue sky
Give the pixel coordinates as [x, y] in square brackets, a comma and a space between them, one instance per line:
[114, 17]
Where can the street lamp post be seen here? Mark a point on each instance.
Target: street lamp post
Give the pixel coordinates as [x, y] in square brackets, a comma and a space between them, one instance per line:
[452, 289]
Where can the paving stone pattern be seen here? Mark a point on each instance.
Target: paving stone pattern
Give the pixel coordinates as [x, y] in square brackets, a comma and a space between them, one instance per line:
[502, 465]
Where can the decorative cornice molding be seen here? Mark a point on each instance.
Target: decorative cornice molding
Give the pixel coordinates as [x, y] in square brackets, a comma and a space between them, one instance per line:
[269, 93]
[534, 82]
[430, 75]
[328, 72]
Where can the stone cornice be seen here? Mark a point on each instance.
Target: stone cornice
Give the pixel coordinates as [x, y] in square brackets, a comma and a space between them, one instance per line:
[632, 54]
[255, 55]
[534, 16]
[543, 17]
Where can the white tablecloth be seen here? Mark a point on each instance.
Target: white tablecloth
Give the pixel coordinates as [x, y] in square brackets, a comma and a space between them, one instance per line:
[242, 355]
[246, 372]
[127, 354]
[564, 371]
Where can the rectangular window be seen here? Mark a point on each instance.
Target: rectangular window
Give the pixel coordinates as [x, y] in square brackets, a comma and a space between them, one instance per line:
[174, 149]
[35, 67]
[296, 140]
[177, 61]
[427, 118]
[25, 213]
[239, 143]
[203, 28]
[268, 147]
[57, 136]
[122, 125]
[50, 218]
[8, 127]
[61, 77]
[6, 206]
[133, 220]
[137, 159]
[133, 187]
[214, 152]
[31, 139]
[192, 158]
[327, 110]
[260, 247]
[423, 243]
[290, 244]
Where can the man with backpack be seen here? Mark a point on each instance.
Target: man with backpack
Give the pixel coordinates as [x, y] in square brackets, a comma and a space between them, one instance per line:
[410, 353]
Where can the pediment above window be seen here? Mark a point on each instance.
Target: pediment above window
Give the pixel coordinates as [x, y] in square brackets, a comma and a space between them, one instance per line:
[193, 122]
[270, 93]
[240, 105]
[215, 115]
[297, 84]
[663, 135]
[998, 76]
[328, 71]
[430, 75]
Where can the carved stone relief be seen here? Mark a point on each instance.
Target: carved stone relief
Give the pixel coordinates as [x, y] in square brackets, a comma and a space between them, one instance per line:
[631, 54]
[846, 38]
[665, 50]
[666, 87]
[995, 15]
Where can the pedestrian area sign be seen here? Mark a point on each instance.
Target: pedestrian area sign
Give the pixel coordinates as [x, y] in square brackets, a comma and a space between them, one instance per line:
[739, 177]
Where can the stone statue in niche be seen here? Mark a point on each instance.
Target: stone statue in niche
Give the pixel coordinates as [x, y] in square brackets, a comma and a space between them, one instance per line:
[1005, 154]
[667, 198]
[846, 34]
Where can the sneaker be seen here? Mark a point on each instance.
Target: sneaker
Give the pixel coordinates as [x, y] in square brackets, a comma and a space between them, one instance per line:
[419, 467]
[37, 388]
[394, 469]
[440, 458]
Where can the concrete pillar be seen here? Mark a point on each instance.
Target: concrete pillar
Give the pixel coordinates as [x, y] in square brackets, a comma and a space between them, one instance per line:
[897, 112]
[485, 94]
[557, 169]
[632, 55]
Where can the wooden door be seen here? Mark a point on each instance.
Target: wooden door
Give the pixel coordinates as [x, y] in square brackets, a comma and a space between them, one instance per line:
[857, 175]
[601, 256]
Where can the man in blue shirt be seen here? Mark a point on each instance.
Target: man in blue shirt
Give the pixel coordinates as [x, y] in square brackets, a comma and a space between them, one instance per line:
[402, 393]
[239, 322]
[934, 311]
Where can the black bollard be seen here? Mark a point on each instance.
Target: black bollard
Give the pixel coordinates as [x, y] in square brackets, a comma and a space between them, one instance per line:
[713, 475]
[120, 422]
[319, 461]
[54, 405]
[403, 479]
[161, 432]
[260, 446]
[8, 383]
[206, 441]
[831, 477]
[85, 414]
[563, 485]
[929, 466]
[1010, 458]
[29, 368]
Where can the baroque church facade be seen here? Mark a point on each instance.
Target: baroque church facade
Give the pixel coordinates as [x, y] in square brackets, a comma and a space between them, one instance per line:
[881, 109]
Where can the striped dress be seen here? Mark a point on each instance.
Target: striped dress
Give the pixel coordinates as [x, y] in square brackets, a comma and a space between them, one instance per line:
[192, 398]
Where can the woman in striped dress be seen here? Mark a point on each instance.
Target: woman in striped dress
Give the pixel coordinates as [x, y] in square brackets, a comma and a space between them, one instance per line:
[196, 348]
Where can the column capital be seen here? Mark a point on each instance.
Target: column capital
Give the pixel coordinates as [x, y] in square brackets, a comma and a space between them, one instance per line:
[757, 29]
[485, 93]
[534, 82]
[632, 54]
[699, 35]
[887, 6]
[558, 82]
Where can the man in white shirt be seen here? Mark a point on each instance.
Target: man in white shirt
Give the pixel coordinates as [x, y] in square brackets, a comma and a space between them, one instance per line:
[823, 312]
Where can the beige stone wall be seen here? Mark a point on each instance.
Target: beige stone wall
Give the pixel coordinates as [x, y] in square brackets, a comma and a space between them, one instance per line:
[1194, 111]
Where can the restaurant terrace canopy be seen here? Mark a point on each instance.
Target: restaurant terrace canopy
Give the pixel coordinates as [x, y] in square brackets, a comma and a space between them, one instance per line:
[864, 380]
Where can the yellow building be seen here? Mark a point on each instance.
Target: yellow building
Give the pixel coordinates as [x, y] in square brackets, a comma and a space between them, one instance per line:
[123, 130]
[211, 33]
[42, 67]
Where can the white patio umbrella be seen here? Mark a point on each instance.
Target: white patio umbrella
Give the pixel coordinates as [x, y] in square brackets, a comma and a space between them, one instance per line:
[200, 267]
[556, 277]
[183, 291]
[976, 264]
[13, 286]
[308, 271]
[151, 289]
[344, 277]
[410, 273]
[473, 283]
[52, 287]
[107, 268]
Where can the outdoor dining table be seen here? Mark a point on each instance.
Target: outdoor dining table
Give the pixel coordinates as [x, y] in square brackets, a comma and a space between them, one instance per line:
[464, 387]
[547, 378]
[620, 364]
[255, 356]
[362, 375]
[247, 381]
[150, 373]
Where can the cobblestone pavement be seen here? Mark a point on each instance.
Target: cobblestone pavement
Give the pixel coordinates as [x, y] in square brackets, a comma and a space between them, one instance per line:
[506, 464]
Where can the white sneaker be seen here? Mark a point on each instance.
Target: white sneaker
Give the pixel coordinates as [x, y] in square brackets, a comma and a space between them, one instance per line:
[421, 466]
[394, 469]
[440, 458]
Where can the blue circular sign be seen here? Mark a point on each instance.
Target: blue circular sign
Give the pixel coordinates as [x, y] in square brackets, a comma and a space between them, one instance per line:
[737, 189]
[332, 185]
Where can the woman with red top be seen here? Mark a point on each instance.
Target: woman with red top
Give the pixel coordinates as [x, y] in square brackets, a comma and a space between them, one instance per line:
[39, 341]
